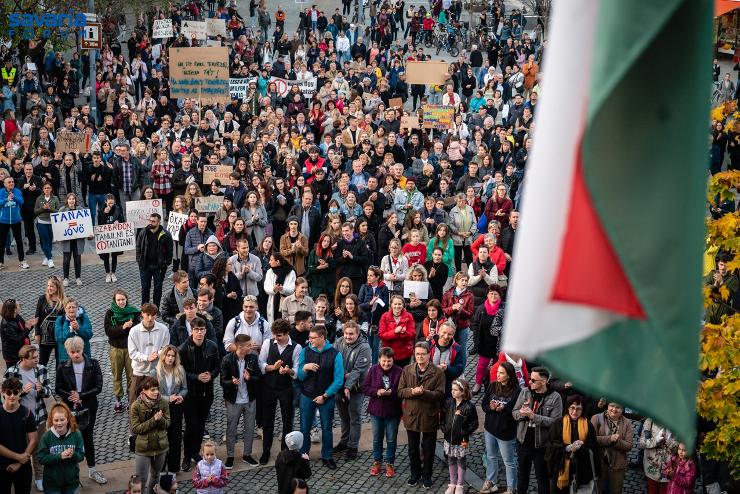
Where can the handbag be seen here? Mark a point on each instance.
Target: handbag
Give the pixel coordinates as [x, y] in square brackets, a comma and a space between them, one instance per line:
[592, 487]
[82, 416]
[46, 330]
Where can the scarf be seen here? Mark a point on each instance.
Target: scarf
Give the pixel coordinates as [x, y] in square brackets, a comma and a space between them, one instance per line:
[149, 403]
[121, 315]
[491, 309]
[564, 474]
[281, 272]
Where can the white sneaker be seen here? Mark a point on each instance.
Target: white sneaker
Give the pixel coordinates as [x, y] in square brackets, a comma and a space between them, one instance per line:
[40, 485]
[2, 266]
[45, 262]
[65, 282]
[79, 282]
[24, 265]
[51, 263]
[113, 277]
[315, 436]
[107, 277]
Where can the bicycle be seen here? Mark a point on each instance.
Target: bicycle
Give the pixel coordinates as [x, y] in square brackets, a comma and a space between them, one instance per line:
[450, 43]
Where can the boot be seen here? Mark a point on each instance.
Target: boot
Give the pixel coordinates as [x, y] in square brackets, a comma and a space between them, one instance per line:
[175, 265]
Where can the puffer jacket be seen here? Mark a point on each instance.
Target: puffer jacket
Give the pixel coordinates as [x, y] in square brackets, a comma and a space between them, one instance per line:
[458, 428]
[151, 434]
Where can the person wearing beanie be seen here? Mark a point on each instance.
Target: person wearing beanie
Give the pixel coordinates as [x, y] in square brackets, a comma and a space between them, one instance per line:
[291, 463]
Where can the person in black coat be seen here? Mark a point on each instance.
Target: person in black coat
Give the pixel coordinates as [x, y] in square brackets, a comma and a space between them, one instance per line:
[199, 358]
[84, 398]
[110, 213]
[352, 257]
[290, 464]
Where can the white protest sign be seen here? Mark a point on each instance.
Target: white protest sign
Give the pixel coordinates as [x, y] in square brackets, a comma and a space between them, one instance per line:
[194, 29]
[117, 237]
[138, 212]
[420, 288]
[209, 204]
[216, 27]
[307, 86]
[162, 29]
[174, 222]
[69, 225]
[238, 86]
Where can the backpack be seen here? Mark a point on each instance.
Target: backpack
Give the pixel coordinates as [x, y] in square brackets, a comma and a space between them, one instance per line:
[260, 323]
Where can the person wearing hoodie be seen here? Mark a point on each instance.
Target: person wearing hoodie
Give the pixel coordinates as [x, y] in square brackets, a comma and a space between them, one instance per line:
[154, 256]
[352, 257]
[321, 376]
[202, 263]
[60, 450]
[181, 328]
[537, 408]
[195, 241]
[356, 355]
[291, 464]
[11, 201]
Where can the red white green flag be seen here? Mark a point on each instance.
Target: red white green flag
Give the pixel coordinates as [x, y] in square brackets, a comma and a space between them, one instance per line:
[606, 285]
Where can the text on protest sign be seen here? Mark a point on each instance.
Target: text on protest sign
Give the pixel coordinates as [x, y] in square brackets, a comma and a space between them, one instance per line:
[213, 172]
[69, 225]
[162, 29]
[201, 73]
[138, 212]
[438, 116]
[72, 142]
[209, 204]
[238, 86]
[215, 27]
[117, 237]
[175, 222]
[194, 29]
[307, 86]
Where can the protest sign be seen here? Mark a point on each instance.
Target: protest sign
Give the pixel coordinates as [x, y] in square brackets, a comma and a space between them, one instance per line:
[395, 103]
[238, 86]
[138, 212]
[419, 288]
[72, 142]
[438, 116]
[116, 237]
[221, 172]
[307, 86]
[209, 204]
[162, 29]
[194, 29]
[410, 122]
[69, 225]
[174, 222]
[201, 72]
[429, 72]
[215, 27]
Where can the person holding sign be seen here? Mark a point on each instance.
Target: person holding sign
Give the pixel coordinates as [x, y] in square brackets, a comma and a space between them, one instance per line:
[162, 172]
[72, 249]
[110, 213]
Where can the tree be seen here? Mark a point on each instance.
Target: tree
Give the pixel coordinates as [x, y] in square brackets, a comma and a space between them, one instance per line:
[541, 9]
[719, 393]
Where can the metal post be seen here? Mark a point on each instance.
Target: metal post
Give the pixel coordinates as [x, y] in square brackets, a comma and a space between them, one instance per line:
[91, 76]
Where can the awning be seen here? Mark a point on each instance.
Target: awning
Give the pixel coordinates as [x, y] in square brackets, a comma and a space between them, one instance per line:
[724, 6]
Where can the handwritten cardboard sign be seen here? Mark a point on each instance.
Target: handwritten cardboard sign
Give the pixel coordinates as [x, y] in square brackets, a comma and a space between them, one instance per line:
[162, 28]
[200, 72]
[209, 204]
[429, 72]
[438, 116]
[117, 237]
[138, 212]
[395, 103]
[70, 225]
[175, 222]
[194, 29]
[410, 122]
[216, 27]
[221, 172]
[72, 142]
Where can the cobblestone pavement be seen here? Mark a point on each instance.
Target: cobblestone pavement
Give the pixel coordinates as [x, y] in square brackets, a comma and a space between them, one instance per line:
[111, 430]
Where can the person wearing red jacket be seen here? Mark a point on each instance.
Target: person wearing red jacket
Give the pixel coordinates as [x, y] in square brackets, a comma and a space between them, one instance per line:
[520, 368]
[397, 331]
[458, 306]
[495, 252]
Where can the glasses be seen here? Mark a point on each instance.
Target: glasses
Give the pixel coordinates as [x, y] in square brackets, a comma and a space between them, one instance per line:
[12, 392]
[199, 330]
[533, 380]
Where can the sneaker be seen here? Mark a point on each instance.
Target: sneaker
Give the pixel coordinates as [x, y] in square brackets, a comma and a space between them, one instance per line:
[2, 266]
[229, 463]
[113, 277]
[264, 458]
[45, 262]
[118, 407]
[413, 481]
[24, 265]
[450, 489]
[40, 485]
[187, 465]
[51, 263]
[459, 489]
[488, 487]
[375, 469]
[98, 477]
[65, 282]
[78, 281]
[315, 436]
[250, 461]
[107, 278]
[390, 470]
[427, 483]
[206, 435]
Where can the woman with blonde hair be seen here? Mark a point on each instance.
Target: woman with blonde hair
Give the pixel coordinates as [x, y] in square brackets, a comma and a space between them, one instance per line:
[48, 308]
[173, 386]
[191, 192]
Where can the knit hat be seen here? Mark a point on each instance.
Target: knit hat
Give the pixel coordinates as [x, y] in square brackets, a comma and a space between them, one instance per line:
[293, 218]
[294, 440]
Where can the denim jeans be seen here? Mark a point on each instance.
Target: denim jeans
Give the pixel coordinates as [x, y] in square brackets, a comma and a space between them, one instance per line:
[462, 338]
[494, 446]
[94, 201]
[374, 342]
[350, 414]
[387, 427]
[46, 237]
[326, 414]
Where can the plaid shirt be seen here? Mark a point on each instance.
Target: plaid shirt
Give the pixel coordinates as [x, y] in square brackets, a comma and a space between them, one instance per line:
[41, 375]
[162, 177]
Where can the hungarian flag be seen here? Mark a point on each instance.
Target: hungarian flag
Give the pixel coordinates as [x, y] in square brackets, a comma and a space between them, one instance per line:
[606, 287]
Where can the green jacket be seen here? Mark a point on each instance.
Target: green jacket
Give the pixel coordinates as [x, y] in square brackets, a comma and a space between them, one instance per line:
[151, 435]
[61, 474]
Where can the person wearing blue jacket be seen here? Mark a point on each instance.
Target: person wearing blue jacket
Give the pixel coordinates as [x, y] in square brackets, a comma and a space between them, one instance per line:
[75, 322]
[11, 200]
[321, 376]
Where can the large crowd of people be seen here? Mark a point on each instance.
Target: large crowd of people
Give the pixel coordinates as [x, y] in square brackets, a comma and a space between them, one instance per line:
[354, 265]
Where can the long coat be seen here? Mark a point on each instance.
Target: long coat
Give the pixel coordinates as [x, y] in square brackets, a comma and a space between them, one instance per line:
[421, 413]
